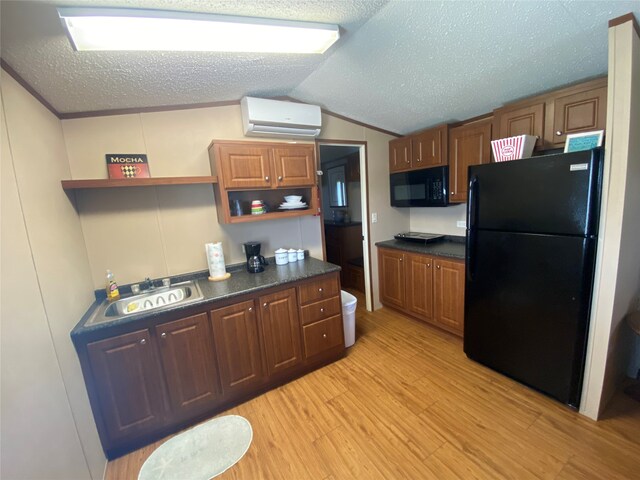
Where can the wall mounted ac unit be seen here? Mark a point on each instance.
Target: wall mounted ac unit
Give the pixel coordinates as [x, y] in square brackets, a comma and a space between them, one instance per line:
[276, 118]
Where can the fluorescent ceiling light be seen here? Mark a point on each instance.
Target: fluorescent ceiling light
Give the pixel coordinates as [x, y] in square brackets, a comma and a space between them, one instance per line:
[131, 29]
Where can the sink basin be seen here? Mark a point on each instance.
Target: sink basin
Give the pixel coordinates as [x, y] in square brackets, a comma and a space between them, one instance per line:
[153, 300]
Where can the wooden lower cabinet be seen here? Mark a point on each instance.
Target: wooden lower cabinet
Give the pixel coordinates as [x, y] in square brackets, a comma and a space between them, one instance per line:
[321, 315]
[419, 286]
[448, 292]
[130, 389]
[428, 288]
[190, 367]
[392, 275]
[280, 330]
[238, 347]
[322, 336]
[161, 376]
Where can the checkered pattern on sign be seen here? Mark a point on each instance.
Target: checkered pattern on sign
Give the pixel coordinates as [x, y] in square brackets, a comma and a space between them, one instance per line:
[129, 171]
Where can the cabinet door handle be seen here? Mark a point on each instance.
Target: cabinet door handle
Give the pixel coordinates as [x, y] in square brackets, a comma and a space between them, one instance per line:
[320, 289]
[143, 342]
[438, 267]
[266, 179]
[265, 304]
[163, 334]
[324, 335]
[428, 265]
[322, 310]
[559, 132]
[453, 193]
[279, 179]
[251, 309]
[401, 259]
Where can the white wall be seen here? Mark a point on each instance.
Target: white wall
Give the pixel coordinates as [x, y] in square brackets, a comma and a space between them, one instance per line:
[617, 283]
[47, 426]
[161, 231]
[390, 220]
[438, 220]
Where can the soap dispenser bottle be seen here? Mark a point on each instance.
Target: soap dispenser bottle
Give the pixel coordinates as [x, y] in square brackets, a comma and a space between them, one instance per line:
[112, 287]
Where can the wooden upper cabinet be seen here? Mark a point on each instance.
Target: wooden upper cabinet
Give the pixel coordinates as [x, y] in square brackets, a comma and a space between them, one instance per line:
[244, 166]
[449, 295]
[187, 352]
[294, 166]
[553, 115]
[419, 285]
[399, 154]
[582, 111]
[128, 384]
[280, 326]
[468, 145]
[429, 148]
[517, 120]
[391, 270]
[262, 166]
[238, 347]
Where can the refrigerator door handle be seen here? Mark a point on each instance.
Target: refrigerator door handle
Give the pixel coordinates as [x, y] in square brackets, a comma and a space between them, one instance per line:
[471, 226]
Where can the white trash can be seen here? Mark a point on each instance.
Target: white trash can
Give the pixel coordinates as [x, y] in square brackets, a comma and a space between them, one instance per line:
[349, 303]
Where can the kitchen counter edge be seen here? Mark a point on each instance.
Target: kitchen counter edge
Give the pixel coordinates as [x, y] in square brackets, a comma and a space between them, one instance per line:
[449, 247]
[240, 283]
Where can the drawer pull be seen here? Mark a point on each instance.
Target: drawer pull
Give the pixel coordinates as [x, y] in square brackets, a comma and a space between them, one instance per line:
[320, 289]
[324, 335]
[322, 310]
[143, 342]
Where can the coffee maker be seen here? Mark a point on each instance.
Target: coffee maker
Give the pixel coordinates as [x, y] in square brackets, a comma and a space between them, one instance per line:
[255, 261]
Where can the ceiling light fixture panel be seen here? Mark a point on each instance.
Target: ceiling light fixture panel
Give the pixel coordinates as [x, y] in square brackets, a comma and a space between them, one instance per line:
[98, 29]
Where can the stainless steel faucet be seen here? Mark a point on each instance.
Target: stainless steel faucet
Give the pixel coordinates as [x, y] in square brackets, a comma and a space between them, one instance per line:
[147, 284]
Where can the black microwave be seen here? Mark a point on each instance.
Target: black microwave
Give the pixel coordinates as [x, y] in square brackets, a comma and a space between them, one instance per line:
[428, 187]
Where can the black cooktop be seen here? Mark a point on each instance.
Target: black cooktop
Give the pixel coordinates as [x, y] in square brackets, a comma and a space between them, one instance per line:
[418, 237]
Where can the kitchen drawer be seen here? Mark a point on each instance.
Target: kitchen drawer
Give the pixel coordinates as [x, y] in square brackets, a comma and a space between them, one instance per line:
[319, 290]
[320, 310]
[322, 336]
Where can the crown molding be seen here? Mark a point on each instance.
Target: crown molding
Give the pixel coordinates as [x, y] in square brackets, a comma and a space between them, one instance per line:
[628, 17]
[16, 76]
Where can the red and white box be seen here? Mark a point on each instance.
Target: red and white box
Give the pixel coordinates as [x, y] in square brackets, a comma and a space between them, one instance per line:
[513, 148]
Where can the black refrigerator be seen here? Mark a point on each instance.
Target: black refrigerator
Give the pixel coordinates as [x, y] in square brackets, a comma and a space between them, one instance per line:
[532, 227]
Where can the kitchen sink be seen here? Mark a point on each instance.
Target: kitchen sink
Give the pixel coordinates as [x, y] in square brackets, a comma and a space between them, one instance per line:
[156, 299]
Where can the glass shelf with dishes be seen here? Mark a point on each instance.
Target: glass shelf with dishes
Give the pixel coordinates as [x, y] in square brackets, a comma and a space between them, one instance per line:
[239, 206]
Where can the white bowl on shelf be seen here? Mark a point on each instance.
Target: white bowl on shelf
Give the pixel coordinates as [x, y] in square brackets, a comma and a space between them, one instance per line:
[293, 198]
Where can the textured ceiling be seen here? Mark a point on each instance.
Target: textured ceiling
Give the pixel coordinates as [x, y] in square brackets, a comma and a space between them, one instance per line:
[400, 65]
[35, 45]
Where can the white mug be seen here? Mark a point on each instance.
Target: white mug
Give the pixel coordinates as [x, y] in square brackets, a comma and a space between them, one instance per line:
[282, 257]
[300, 254]
[293, 255]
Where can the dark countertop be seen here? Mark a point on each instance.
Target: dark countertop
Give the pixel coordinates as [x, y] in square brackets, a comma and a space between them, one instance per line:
[241, 282]
[451, 247]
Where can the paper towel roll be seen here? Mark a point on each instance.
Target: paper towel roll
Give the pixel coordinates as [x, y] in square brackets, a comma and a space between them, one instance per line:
[215, 260]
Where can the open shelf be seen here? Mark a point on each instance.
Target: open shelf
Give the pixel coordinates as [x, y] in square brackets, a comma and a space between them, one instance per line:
[270, 215]
[136, 182]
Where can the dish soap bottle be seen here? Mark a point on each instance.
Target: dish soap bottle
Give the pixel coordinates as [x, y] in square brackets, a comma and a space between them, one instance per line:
[112, 287]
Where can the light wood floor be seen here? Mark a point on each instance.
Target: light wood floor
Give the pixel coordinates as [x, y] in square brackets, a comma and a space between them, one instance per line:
[407, 403]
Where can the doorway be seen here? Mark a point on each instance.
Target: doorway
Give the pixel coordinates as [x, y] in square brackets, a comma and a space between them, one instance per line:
[344, 207]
